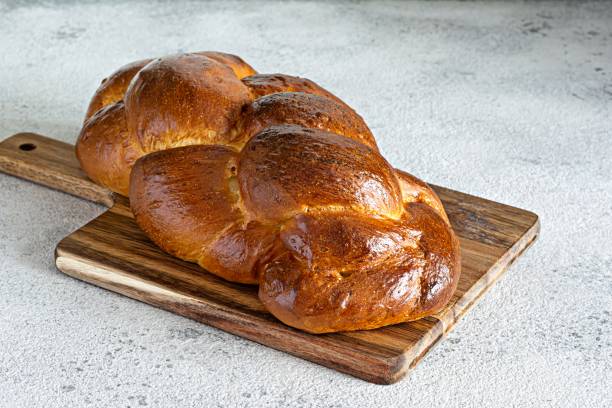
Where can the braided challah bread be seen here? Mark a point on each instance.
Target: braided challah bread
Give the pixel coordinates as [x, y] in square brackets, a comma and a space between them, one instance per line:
[271, 180]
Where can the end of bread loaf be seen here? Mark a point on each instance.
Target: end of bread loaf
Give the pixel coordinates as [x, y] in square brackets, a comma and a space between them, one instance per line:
[344, 272]
[106, 150]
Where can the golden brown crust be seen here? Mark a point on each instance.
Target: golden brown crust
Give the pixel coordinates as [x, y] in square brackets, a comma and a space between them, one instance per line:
[182, 197]
[306, 110]
[288, 169]
[271, 180]
[187, 201]
[266, 84]
[113, 88]
[183, 100]
[206, 83]
[317, 219]
[416, 190]
[238, 252]
[201, 98]
[241, 69]
[349, 272]
[106, 150]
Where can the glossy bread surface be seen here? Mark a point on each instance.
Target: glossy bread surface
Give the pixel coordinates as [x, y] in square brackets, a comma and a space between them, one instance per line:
[272, 180]
[287, 169]
[307, 110]
[318, 220]
[196, 98]
[184, 100]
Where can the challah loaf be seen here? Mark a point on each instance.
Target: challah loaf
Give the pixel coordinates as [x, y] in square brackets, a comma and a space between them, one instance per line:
[271, 180]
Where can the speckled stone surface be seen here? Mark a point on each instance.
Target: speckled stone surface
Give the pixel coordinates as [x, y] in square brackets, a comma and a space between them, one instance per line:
[512, 102]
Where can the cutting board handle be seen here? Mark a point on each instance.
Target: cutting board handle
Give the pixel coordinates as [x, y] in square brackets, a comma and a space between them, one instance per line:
[51, 163]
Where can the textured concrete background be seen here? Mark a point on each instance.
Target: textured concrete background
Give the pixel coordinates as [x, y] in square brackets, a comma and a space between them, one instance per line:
[512, 102]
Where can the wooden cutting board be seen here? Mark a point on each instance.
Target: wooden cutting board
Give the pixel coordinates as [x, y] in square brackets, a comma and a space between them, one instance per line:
[112, 252]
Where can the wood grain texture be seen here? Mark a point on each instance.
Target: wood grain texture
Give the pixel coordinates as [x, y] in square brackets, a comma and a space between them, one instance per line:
[112, 252]
[49, 162]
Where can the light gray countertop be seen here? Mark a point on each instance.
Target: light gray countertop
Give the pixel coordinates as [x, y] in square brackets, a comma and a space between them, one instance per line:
[511, 102]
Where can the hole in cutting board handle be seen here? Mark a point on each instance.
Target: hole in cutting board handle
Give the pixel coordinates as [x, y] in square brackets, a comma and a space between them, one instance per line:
[27, 147]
